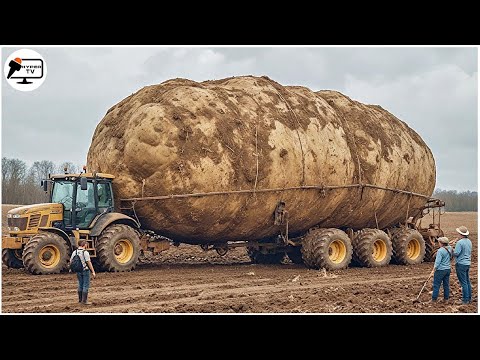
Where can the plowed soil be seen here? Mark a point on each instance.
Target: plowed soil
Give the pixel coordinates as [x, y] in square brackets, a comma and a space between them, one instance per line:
[186, 279]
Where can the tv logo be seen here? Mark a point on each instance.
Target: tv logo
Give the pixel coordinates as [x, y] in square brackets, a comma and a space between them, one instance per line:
[25, 70]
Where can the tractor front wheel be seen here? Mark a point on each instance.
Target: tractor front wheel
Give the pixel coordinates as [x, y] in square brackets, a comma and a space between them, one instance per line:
[46, 253]
[12, 258]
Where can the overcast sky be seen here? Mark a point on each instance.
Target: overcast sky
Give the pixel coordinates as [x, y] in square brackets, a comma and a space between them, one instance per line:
[434, 90]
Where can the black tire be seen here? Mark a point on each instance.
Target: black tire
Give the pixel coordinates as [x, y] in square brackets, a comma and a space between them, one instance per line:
[96, 264]
[372, 248]
[317, 245]
[258, 258]
[118, 248]
[46, 253]
[408, 247]
[12, 258]
[295, 254]
[430, 249]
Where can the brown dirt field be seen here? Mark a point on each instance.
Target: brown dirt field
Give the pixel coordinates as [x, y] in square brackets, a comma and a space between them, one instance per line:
[186, 279]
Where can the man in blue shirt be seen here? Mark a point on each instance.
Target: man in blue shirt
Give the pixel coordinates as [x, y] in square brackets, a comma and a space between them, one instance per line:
[463, 254]
[441, 269]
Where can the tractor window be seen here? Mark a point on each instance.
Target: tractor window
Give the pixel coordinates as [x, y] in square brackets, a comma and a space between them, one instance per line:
[104, 195]
[63, 193]
[85, 197]
[85, 207]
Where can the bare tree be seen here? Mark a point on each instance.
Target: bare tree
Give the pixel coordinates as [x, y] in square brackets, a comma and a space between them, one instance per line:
[71, 168]
[13, 175]
[458, 201]
[41, 169]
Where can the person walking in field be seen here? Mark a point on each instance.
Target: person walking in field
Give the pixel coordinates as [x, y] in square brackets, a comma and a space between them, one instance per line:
[83, 276]
[463, 255]
[441, 269]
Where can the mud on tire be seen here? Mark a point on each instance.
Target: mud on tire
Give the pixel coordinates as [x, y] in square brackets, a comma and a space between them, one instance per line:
[118, 248]
[46, 253]
[430, 250]
[372, 248]
[408, 247]
[12, 258]
[327, 248]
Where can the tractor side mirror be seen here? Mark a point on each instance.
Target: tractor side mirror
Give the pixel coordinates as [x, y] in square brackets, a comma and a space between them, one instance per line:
[83, 183]
[44, 184]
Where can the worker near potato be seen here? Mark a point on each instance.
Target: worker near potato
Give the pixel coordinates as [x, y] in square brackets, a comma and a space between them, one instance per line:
[463, 255]
[441, 269]
[84, 276]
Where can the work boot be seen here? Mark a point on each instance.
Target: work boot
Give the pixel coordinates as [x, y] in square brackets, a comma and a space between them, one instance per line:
[85, 298]
[79, 296]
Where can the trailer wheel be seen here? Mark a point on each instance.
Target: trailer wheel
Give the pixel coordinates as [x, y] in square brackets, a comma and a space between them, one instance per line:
[372, 248]
[46, 253]
[118, 248]
[430, 249]
[12, 258]
[408, 247]
[327, 248]
[295, 255]
[258, 258]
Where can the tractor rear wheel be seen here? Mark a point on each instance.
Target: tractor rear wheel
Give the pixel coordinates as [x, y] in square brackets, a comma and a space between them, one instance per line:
[46, 253]
[327, 248]
[372, 248]
[12, 258]
[258, 257]
[408, 247]
[118, 248]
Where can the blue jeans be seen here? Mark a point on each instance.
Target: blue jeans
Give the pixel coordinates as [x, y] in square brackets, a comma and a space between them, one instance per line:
[464, 278]
[83, 280]
[441, 277]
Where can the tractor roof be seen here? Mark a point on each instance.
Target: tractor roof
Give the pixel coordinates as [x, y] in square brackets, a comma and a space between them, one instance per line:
[87, 175]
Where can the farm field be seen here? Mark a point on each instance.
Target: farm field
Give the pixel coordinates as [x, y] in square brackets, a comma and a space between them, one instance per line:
[186, 279]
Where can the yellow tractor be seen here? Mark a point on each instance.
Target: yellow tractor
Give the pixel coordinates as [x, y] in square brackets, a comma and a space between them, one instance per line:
[42, 236]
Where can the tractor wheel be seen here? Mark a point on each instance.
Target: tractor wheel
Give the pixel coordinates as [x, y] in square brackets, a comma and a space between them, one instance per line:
[258, 258]
[295, 255]
[46, 253]
[96, 264]
[12, 258]
[372, 248]
[118, 248]
[408, 247]
[327, 248]
[430, 249]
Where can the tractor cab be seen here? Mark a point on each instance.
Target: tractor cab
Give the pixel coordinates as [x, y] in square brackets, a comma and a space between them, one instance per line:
[83, 196]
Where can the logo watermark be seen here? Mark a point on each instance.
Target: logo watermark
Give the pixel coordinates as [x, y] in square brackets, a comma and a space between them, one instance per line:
[25, 70]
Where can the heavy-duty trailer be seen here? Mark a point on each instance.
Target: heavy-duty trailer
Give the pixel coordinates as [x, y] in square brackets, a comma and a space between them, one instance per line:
[42, 236]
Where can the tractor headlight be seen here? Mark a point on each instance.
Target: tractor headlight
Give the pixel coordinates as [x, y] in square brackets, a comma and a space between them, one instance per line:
[9, 215]
[15, 229]
[15, 216]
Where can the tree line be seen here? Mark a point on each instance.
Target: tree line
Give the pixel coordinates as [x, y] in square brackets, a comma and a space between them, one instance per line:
[458, 200]
[22, 184]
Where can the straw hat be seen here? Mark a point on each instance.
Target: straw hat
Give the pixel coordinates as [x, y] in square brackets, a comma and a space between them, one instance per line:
[443, 240]
[462, 230]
